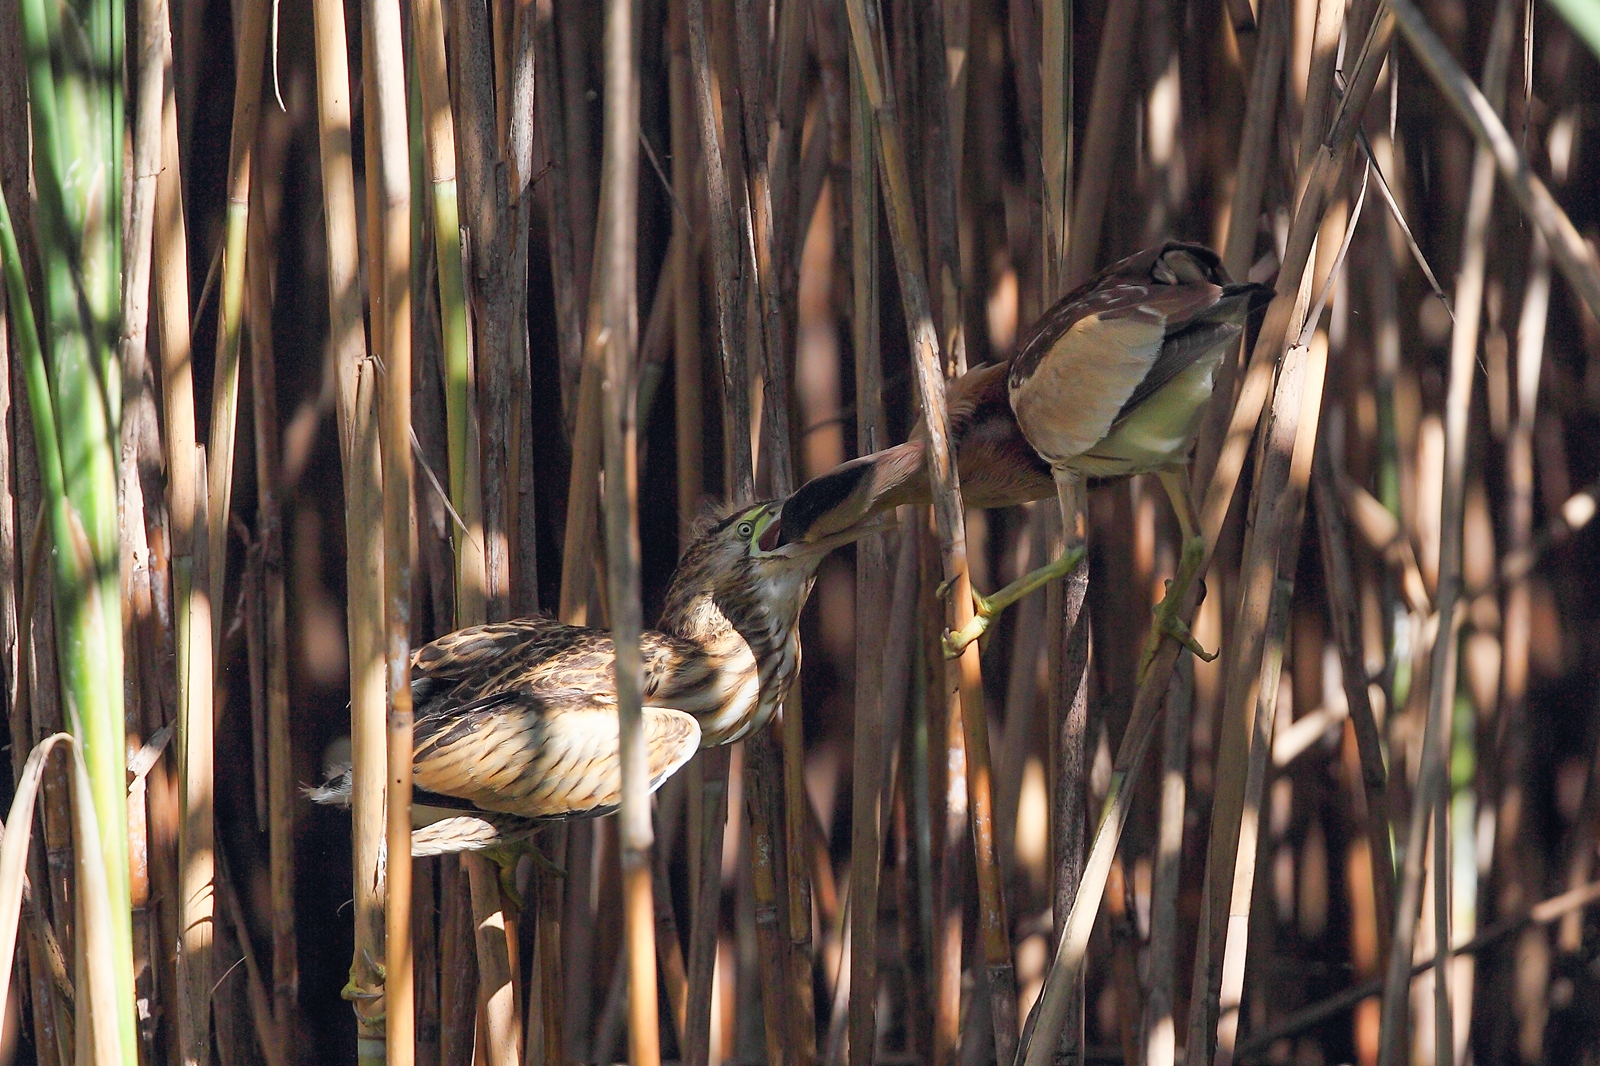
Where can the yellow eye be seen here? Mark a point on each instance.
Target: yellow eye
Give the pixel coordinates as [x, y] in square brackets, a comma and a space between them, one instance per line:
[746, 530]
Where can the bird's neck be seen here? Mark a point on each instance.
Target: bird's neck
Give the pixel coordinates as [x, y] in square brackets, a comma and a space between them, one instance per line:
[754, 638]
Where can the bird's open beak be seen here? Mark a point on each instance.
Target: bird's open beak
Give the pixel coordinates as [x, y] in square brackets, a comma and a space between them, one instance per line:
[815, 549]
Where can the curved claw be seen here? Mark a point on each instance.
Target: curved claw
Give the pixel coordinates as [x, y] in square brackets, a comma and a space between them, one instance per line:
[359, 995]
[1167, 623]
[956, 642]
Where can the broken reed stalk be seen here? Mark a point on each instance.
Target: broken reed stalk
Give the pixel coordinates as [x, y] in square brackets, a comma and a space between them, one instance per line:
[269, 542]
[1221, 481]
[617, 261]
[865, 30]
[871, 573]
[252, 45]
[389, 231]
[359, 461]
[1575, 258]
[1433, 774]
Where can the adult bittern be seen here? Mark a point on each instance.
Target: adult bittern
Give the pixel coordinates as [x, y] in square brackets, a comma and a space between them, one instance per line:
[1112, 381]
[516, 722]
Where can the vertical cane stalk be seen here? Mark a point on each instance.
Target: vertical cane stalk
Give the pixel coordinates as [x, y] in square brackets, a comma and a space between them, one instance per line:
[76, 106]
[865, 34]
[389, 232]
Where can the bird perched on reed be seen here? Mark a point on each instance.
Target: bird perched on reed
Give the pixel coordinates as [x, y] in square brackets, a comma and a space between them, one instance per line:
[1111, 381]
[516, 722]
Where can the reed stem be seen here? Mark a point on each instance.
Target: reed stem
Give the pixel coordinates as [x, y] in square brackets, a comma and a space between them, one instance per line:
[865, 34]
[617, 261]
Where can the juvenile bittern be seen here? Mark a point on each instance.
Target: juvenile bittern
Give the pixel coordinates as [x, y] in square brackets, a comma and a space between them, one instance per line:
[1112, 381]
[516, 722]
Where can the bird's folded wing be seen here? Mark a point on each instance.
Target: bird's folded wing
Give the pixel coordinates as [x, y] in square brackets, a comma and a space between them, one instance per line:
[538, 758]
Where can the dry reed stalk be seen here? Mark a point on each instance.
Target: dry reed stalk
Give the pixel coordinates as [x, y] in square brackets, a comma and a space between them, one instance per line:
[389, 230]
[1255, 140]
[1512, 748]
[1573, 901]
[726, 259]
[1056, 135]
[269, 1037]
[139, 448]
[1340, 582]
[871, 574]
[458, 994]
[763, 795]
[617, 255]
[1107, 113]
[783, 989]
[359, 455]
[1575, 258]
[192, 616]
[496, 214]
[171, 298]
[1221, 478]
[460, 395]
[280, 783]
[196, 834]
[740, 478]
[787, 238]
[707, 896]
[1158, 1029]
[686, 282]
[496, 220]
[1250, 708]
[19, 575]
[252, 49]
[942, 183]
[669, 948]
[577, 555]
[865, 29]
[792, 212]
[563, 240]
[1433, 775]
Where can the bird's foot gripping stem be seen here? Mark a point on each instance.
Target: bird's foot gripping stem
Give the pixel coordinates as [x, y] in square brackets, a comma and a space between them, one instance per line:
[985, 608]
[506, 856]
[1167, 622]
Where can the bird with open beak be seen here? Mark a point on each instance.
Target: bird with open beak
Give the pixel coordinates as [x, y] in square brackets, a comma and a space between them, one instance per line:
[516, 722]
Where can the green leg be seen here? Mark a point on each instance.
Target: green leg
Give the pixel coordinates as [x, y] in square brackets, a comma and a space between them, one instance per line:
[1167, 622]
[507, 855]
[986, 607]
